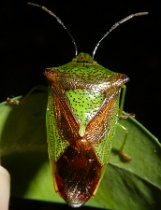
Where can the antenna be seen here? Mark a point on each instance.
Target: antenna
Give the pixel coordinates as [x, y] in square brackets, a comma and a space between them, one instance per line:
[115, 26]
[59, 21]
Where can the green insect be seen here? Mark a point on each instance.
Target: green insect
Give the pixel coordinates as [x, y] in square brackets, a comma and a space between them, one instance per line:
[82, 115]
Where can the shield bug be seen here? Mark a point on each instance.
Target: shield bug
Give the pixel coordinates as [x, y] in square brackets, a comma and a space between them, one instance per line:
[82, 114]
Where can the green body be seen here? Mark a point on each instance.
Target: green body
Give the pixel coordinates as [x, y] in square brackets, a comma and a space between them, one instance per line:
[83, 106]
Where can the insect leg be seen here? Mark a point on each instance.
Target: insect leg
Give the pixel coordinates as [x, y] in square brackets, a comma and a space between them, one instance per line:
[18, 102]
[123, 114]
[124, 155]
[122, 99]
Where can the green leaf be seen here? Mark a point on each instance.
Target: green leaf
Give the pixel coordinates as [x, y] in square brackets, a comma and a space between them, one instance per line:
[126, 185]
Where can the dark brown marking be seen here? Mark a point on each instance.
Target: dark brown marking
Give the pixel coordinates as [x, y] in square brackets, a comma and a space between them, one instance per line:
[77, 173]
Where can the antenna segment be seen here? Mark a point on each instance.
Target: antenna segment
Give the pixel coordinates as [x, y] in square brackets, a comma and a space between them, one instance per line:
[115, 26]
[59, 21]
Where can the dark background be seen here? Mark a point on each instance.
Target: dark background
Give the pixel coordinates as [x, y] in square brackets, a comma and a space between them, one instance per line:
[31, 40]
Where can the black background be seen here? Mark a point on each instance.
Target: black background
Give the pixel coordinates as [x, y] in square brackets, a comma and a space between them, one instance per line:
[31, 40]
